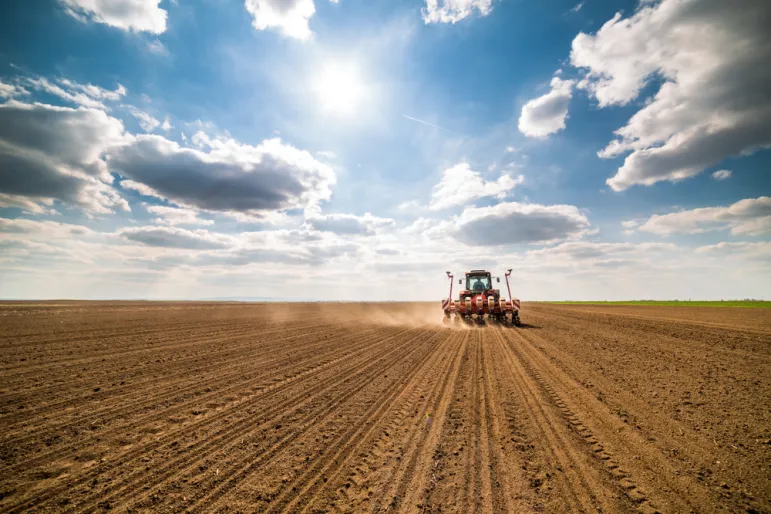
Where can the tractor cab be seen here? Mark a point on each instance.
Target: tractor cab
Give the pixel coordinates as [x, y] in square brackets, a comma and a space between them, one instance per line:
[478, 282]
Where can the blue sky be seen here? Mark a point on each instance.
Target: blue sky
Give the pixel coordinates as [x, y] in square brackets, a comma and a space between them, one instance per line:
[344, 150]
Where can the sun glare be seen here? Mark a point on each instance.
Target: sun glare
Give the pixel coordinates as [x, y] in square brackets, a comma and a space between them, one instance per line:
[340, 89]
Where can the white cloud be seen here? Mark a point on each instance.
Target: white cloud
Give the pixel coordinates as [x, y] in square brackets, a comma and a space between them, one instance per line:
[48, 229]
[33, 205]
[166, 125]
[52, 153]
[517, 223]
[176, 216]
[86, 95]
[760, 250]
[453, 11]
[146, 121]
[350, 224]
[129, 15]
[224, 175]
[289, 16]
[715, 101]
[460, 185]
[751, 216]
[722, 174]
[546, 114]
[173, 237]
[629, 224]
[585, 253]
[10, 90]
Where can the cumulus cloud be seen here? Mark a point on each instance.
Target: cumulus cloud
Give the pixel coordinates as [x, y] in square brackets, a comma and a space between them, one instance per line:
[176, 216]
[129, 15]
[751, 216]
[515, 223]
[460, 185]
[350, 224]
[546, 114]
[52, 153]
[289, 16]
[86, 95]
[453, 11]
[715, 100]
[722, 174]
[227, 176]
[174, 237]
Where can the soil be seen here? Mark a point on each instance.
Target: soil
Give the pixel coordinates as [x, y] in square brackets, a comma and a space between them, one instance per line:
[207, 407]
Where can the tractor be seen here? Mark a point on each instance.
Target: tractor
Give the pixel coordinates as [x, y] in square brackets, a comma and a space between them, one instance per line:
[480, 301]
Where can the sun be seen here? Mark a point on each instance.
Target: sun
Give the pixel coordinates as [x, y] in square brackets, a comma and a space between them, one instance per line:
[340, 89]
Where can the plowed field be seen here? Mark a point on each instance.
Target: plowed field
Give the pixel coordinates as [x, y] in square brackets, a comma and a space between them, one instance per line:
[164, 407]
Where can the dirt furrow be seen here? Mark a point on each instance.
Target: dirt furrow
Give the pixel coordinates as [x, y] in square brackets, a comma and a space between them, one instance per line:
[205, 407]
[413, 477]
[62, 408]
[198, 344]
[255, 393]
[505, 480]
[238, 430]
[133, 414]
[583, 487]
[325, 404]
[156, 350]
[301, 492]
[652, 475]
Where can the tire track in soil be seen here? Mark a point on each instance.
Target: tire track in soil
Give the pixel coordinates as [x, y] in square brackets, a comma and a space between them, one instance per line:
[168, 440]
[629, 450]
[705, 458]
[582, 487]
[299, 496]
[412, 476]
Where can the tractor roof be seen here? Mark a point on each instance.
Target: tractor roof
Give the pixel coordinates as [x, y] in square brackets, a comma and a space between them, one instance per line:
[477, 272]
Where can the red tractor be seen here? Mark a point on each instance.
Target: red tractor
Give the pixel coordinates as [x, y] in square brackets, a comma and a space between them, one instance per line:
[480, 299]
